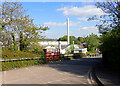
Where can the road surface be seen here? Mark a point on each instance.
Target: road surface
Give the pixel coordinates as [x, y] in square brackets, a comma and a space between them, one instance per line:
[66, 72]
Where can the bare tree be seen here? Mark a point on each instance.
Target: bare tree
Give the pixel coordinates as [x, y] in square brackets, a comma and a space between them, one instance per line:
[111, 16]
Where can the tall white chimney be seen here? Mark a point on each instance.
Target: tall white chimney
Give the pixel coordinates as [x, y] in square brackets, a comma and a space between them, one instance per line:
[68, 31]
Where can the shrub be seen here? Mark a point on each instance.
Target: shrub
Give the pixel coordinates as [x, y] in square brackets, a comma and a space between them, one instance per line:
[79, 55]
[70, 49]
[110, 48]
[70, 57]
[18, 55]
[7, 65]
[36, 49]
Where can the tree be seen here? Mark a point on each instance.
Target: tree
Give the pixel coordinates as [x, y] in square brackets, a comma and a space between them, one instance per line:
[11, 12]
[17, 25]
[30, 33]
[81, 39]
[111, 16]
[64, 38]
[92, 42]
[72, 38]
[110, 29]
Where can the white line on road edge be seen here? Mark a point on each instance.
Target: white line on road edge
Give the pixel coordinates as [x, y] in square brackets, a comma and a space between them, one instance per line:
[79, 76]
[88, 77]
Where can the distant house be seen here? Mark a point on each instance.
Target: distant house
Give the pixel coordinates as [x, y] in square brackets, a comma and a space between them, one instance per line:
[53, 43]
[80, 50]
[49, 47]
[68, 48]
[63, 46]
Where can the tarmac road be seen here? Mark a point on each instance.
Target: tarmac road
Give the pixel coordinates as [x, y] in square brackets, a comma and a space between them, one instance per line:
[66, 72]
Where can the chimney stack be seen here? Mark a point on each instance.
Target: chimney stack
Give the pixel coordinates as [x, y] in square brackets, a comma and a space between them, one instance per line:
[68, 31]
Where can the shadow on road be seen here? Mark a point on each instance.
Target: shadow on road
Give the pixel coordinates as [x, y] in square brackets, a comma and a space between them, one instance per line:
[64, 72]
[77, 66]
[108, 75]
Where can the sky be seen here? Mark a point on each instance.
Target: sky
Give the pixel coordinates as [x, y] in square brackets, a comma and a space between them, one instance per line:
[55, 14]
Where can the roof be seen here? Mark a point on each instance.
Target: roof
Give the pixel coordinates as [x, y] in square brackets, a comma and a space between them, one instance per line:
[49, 47]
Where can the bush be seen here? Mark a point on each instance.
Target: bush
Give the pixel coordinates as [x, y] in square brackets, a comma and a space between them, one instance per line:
[75, 56]
[17, 64]
[36, 49]
[110, 48]
[18, 55]
[70, 57]
[79, 55]
[70, 49]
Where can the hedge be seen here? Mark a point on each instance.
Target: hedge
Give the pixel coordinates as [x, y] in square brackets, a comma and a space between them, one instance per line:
[7, 65]
[111, 49]
[18, 55]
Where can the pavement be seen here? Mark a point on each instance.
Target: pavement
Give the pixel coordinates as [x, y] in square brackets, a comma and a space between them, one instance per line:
[107, 75]
[66, 72]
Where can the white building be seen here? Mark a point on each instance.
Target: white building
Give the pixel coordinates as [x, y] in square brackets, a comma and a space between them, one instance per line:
[80, 50]
[54, 43]
[64, 46]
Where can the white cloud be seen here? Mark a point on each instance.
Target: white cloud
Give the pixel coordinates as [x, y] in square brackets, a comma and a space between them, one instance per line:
[84, 31]
[48, 32]
[55, 24]
[82, 18]
[74, 23]
[81, 11]
[90, 28]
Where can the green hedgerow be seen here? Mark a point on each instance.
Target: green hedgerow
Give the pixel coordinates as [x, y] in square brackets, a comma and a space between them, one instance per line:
[18, 55]
[7, 65]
